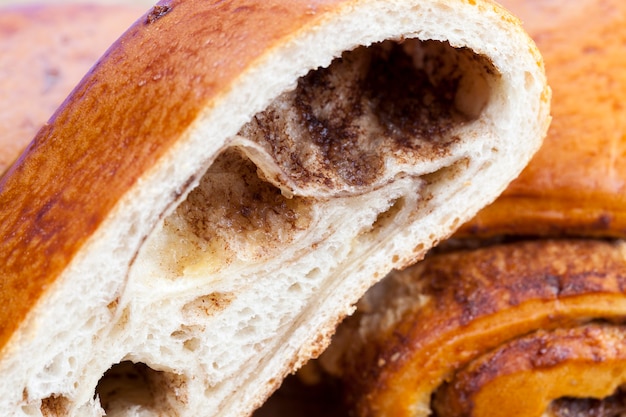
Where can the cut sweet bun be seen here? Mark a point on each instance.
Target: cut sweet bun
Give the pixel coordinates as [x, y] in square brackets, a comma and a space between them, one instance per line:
[575, 184]
[230, 178]
[462, 328]
[46, 50]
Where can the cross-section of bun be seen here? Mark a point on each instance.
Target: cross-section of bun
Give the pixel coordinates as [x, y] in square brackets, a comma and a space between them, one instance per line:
[230, 178]
[448, 317]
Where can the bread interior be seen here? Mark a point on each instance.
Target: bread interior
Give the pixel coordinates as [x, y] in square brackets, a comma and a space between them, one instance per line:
[308, 193]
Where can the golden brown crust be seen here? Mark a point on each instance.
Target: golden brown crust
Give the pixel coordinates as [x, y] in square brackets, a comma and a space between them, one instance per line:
[472, 302]
[46, 50]
[575, 184]
[580, 362]
[142, 119]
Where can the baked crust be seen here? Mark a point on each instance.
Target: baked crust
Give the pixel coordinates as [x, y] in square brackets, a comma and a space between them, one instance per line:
[419, 326]
[575, 184]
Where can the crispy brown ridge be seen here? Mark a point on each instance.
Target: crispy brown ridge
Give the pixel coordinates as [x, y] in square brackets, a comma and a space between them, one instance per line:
[420, 326]
[563, 372]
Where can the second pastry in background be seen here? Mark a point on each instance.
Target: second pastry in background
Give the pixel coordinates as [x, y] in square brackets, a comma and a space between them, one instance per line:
[576, 183]
[45, 50]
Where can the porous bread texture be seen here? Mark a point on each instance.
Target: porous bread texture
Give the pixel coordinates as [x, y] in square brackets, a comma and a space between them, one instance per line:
[218, 327]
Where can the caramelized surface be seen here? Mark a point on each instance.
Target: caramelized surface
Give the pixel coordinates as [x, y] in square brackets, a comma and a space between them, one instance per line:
[437, 317]
[543, 372]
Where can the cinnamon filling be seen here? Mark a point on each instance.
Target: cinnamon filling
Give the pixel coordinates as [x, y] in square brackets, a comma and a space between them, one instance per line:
[611, 406]
[392, 100]
[337, 133]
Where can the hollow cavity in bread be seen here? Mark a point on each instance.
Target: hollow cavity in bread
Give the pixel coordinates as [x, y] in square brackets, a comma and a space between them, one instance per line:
[371, 113]
[233, 214]
[383, 101]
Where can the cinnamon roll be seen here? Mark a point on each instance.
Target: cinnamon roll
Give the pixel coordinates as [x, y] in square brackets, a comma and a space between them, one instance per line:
[424, 332]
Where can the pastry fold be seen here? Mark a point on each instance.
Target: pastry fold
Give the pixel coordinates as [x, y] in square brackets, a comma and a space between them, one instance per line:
[430, 331]
[562, 372]
[228, 180]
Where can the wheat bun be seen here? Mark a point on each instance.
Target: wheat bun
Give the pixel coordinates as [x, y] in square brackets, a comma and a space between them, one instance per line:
[229, 179]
